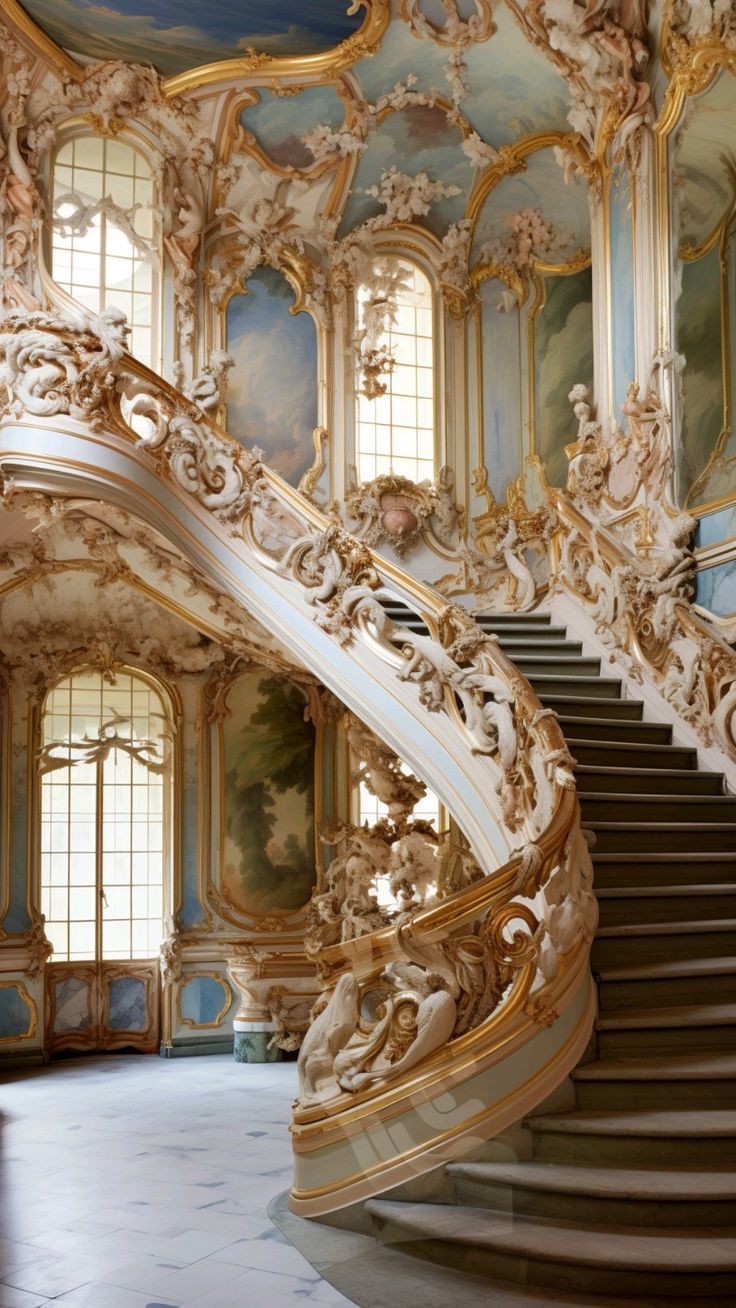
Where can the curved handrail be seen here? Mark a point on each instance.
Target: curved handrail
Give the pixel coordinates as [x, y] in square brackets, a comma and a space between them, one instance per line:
[452, 989]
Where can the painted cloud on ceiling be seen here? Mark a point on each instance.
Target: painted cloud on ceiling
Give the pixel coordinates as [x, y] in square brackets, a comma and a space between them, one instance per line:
[176, 35]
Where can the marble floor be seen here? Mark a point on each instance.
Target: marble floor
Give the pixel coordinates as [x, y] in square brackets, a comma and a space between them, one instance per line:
[144, 1183]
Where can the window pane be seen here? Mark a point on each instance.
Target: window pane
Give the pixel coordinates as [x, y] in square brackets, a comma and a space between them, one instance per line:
[99, 266]
[75, 851]
[395, 431]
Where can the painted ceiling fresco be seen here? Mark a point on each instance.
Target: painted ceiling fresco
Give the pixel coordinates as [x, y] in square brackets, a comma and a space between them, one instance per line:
[176, 35]
[324, 155]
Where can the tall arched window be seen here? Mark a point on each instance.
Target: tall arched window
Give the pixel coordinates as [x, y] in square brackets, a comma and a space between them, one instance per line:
[103, 251]
[105, 773]
[395, 431]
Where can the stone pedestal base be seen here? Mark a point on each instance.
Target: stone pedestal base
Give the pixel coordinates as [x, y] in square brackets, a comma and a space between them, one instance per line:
[251, 1042]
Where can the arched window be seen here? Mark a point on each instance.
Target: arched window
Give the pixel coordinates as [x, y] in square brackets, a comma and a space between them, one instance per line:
[395, 432]
[105, 805]
[103, 251]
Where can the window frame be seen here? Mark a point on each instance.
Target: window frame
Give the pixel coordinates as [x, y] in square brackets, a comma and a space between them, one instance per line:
[135, 142]
[171, 807]
[426, 267]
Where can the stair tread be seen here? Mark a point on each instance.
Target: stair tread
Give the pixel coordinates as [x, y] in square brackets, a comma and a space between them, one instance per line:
[664, 856]
[606, 722]
[665, 1122]
[675, 1016]
[620, 1182]
[665, 892]
[658, 826]
[681, 967]
[704, 1066]
[624, 797]
[708, 1249]
[595, 769]
[706, 926]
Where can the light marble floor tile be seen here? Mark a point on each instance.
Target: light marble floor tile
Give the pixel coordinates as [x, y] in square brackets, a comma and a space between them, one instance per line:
[136, 1182]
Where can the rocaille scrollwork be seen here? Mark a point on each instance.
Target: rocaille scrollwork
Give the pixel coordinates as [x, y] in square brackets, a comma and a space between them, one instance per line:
[623, 551]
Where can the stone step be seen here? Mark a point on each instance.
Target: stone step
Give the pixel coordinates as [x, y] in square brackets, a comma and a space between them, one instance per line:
[560, 1254]
[520, 630]
[627, 944]
[663, 837]
[692, 1081]
[555, 665]
[605, 731]
[628, 905]
[659, 869]
[578, 1192]
[656, 808]
[623, 1033]
[491, 621]
[590, 706]
[661, 1138]
[670, 983]
[630, 753]
[533, 645]
[598, 687]
[646, 781]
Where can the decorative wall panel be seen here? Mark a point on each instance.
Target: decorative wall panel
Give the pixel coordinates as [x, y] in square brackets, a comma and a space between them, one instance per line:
[203, 1001]
[622, 310]
[563, 355]
[272, 389]
[268, 752]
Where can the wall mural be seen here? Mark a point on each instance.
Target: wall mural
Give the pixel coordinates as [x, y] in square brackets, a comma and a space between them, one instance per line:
[176, 35]
[563, 355]
[268, 753]
[622, 322]
[503, 368]
[272, 390]
[698, 318]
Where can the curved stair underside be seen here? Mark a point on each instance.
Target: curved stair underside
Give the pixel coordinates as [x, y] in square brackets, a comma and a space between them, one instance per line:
[630, 1189]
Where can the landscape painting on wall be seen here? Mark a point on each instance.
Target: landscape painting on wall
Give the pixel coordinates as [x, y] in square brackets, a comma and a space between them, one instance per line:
[699, 339]
[563, 356]
[272, 389]
[268, 755]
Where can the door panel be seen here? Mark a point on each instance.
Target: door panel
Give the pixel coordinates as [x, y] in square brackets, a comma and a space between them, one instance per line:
[72, 1006]
[129, 1014]
[102, 1006]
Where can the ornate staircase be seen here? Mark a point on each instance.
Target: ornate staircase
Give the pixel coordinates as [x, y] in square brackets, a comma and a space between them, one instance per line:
[444, 1026]
[629, 1188]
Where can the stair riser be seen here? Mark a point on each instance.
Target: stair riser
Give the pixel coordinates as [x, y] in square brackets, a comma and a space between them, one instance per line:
[516, 631]
[501, 621]
[639, 1096]
[628, 952]
[664, 840]
[495, 1265]
[529, 646]
[618, 710]
[668, 1041]
[635, 733]
[678, 908]
[612, 808]
[683, 783]
[557, 667]
[665, 992]
[558, 1205]
[645, 873]
[598, 687]
[624, 756]
[567, 1147]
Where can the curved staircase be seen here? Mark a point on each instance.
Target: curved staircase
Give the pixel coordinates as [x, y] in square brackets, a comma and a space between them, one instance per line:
[629, 1189]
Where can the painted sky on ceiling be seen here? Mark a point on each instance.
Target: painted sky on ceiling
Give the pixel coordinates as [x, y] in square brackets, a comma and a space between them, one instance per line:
[542, 185]
[279, 122]
[176, 35]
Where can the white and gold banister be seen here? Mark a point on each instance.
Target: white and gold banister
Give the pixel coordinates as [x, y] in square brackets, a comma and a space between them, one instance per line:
[454, 1019]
